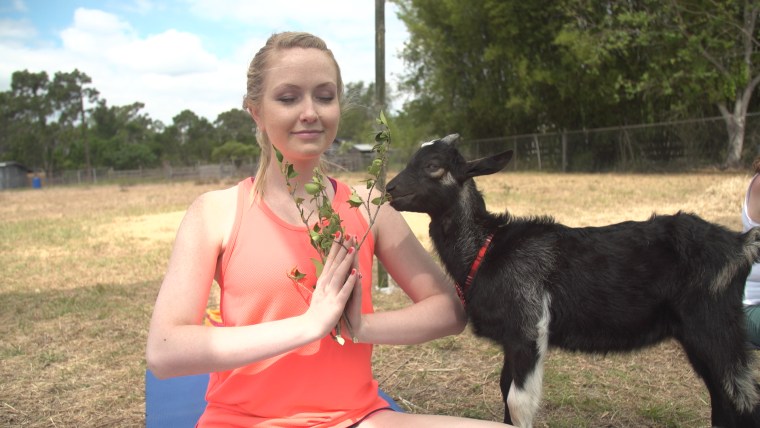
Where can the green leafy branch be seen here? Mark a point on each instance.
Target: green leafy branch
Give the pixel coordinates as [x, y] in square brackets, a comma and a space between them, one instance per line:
[328, 223]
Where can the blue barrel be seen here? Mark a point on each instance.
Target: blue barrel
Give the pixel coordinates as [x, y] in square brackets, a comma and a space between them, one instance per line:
[36, 183]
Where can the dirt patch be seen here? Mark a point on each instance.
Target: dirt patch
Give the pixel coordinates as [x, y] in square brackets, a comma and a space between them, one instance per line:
[147, 229]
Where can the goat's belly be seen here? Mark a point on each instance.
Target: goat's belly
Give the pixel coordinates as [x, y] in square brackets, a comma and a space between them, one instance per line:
[610, 336]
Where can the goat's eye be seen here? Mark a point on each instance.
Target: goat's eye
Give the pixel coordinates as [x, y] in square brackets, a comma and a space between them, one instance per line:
[434, 170]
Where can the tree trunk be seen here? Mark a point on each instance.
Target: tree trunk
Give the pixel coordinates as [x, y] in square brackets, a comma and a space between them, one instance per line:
[735, 124]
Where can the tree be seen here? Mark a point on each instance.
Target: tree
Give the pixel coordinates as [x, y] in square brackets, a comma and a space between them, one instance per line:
[722, 39]
[481, 68]
[190, 138]
[484, 68]
[30, 140]
[235, 125]
[235, 152]
[691, 54]
[124, 137]
[68, 95]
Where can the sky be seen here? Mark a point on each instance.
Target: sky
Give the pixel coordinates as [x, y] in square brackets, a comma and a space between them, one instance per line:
[174, 55]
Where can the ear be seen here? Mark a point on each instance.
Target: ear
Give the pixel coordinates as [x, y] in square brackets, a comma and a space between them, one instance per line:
[489, 165]
[450, 139]
[256, 115]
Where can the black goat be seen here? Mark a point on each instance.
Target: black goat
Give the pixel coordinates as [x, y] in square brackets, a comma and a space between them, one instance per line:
[594, 289]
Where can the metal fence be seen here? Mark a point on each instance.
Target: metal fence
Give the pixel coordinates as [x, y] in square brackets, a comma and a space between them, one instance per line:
[672, 146]
[663, 147]
[199, 173]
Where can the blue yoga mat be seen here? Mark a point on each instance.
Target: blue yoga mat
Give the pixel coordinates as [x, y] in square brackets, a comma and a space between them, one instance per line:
[179, 401]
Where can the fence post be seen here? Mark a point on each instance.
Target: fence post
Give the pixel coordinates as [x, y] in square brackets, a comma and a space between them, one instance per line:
[514, 155]
[564, 151]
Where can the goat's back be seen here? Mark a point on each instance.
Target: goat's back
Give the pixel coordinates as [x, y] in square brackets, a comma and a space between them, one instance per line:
[615, 287]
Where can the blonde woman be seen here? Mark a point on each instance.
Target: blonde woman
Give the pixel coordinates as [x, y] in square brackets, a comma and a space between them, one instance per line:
[273, 362]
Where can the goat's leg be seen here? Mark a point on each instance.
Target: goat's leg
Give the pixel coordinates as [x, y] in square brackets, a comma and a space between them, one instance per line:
[504, 384]
[523, 396]
[719, 356]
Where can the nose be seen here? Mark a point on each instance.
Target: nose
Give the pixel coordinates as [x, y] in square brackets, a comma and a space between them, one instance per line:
[309, 113]
[391, 185]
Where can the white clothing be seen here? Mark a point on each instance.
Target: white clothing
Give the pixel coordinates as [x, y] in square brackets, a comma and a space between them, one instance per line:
[752, 288]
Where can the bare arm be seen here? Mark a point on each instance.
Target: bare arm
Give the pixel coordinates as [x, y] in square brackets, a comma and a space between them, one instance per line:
[436, 310]
[177, 342]
[753, 205]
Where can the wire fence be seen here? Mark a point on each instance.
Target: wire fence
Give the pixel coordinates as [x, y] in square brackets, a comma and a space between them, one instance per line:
[198, 173]
[664, 147]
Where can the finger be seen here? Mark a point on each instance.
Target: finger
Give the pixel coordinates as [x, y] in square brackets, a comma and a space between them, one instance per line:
[355, 301]
[348, 286]
[336, 254]
[343, 267]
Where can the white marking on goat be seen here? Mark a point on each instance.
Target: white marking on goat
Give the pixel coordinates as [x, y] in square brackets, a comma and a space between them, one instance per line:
[523, 403]
[448, 180]
[429, 143]
[724, 277]
[750, 252]
[740, 386]
[543, 328]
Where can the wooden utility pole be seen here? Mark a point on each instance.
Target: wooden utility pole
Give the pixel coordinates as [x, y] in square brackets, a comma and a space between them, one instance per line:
[382, 274]
[380, 54]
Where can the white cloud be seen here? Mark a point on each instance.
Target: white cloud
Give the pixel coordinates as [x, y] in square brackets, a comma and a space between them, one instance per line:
[11, 30]
[172, 70]
[169, 71]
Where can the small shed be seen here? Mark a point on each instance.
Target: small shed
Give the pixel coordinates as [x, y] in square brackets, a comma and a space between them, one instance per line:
[13, 175]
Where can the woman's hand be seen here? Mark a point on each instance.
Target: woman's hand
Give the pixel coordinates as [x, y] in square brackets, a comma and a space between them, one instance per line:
[334, 286]
[353, 310]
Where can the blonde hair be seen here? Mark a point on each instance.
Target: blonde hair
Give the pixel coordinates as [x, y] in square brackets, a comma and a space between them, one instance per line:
[255, 87]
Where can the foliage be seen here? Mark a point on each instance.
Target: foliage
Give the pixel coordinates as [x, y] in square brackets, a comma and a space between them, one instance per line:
[480, 68]
[234, 151]
[487, 68]
[328, 224]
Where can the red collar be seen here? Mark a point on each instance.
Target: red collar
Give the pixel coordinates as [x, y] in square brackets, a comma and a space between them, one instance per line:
[473, 269]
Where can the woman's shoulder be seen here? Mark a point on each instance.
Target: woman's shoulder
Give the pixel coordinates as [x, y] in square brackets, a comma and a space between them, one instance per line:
[219, 199]
[214, 207]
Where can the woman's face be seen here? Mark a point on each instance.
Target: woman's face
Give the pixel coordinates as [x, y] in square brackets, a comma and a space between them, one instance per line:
[299, 110]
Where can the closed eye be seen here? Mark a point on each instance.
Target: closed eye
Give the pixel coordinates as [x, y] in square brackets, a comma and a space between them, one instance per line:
[435, 171]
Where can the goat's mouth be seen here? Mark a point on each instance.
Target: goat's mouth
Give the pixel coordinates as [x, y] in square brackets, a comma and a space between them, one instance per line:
[400, 201]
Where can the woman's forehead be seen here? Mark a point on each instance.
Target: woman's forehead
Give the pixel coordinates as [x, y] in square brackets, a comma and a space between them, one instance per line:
[300, 63]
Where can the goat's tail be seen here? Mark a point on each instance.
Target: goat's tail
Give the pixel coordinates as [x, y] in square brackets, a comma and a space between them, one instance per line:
[742, 389]
[742, 259]
[752, 245]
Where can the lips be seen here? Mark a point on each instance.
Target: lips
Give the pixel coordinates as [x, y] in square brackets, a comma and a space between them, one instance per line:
[309, 132]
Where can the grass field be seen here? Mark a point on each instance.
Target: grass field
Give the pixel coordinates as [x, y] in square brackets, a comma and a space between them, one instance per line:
[81, 267]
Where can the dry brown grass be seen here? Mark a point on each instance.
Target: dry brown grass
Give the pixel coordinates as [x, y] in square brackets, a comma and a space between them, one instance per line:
[81, 268]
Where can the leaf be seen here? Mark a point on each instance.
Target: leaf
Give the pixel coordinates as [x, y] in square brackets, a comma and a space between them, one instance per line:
[291, 174]
[296, 275]
[355, 200]
[318, 265]
[312, 188]
[279, 155]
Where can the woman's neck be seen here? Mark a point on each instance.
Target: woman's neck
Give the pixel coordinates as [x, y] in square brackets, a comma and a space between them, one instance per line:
[281, 199]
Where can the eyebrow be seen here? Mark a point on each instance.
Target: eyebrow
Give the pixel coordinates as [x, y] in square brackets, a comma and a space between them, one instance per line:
[286, 86]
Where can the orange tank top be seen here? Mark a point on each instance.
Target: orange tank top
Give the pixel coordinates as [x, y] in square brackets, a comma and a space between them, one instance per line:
[321, 384]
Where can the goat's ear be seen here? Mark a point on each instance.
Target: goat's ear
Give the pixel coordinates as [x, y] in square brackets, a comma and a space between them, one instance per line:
[450, 139]
[489, 165]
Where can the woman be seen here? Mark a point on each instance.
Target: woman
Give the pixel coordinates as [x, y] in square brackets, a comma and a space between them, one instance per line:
[274, 362]
[750, 219]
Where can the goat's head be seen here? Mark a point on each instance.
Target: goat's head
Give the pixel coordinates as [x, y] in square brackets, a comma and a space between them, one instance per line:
[436, 174]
